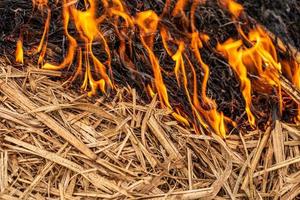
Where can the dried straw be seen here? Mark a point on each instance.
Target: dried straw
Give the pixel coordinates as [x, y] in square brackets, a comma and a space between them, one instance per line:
[56, 143]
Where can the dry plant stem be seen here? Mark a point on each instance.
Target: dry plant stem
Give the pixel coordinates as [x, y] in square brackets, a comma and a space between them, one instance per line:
[160, 134]
[10, 89]
[146, 153]
[185, 195]
[278, 166]
[142, 152]
[3, 170]
[222, 179]
[290, 89]
[278, 146]
[248, 181]
[48, 166]
[95, 179]
[190, 165]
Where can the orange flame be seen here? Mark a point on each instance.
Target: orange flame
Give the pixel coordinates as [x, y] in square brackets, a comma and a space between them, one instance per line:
[296, 81]
[179, 6]
[86, 24]
[204, 116]
[19, 51]
[234, 8]
[147, 22]
[42, 47]
[260, 58]
[232, 50]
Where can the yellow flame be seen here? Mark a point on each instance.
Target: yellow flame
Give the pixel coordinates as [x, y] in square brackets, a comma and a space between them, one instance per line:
[86, 23]
[260, 58]
[42, 47]
[234, 8]
[19, 51]
[147, 21]
[234, 53]
[40, 3]
[206, 117]
[296, 81]
[180, 118]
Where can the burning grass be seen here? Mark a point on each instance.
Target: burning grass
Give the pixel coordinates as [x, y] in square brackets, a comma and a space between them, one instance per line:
[172, 49]
[179, 99]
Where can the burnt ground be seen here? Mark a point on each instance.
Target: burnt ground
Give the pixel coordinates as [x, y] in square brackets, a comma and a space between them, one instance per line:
[280, 16]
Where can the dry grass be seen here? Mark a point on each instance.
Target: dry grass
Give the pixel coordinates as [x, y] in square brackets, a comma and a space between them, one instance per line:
[57, 144]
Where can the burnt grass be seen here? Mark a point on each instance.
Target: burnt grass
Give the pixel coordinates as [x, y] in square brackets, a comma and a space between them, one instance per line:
[282, 17]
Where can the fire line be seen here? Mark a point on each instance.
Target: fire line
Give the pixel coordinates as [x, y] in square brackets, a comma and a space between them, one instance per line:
[254, 53]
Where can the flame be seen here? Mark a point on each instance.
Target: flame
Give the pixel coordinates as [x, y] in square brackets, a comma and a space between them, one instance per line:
[118, 10]
[40, 3]
[179, 6]
[234, 53]
[255, 54]
[86, 23]
[233, 7]
[150, 91]
[296, 81]
[42, 47]
[147, 21]
[179, 117]
[206, 117]
[19, 51]
[72, 44]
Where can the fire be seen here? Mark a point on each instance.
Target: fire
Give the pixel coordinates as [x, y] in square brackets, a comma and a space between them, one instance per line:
[148, 22]
[19, 51]
[252, 53]
[86, 23]
[234, 8]
[204, 116]
[236, 55]
[42, 5]
[180, 4]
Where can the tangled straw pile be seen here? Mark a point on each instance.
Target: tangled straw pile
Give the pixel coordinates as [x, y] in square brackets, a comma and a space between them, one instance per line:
[55, 143]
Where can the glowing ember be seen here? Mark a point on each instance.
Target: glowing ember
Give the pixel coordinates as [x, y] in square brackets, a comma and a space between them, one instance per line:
[253, 53]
